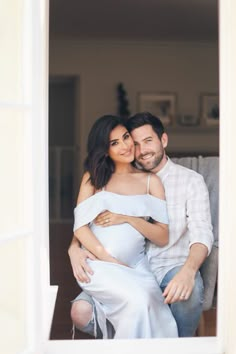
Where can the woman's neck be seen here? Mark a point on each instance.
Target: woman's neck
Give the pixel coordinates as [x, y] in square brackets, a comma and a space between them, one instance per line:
[123, 169]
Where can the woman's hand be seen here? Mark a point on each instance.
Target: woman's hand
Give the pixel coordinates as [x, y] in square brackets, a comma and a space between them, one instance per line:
[107, 218]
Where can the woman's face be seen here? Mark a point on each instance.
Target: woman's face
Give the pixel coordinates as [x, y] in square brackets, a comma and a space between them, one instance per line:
[121, 145]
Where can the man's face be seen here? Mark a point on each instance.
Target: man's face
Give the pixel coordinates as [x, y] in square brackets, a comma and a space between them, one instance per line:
[149, 149]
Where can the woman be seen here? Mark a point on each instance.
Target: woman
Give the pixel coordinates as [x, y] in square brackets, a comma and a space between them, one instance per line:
[114, 200]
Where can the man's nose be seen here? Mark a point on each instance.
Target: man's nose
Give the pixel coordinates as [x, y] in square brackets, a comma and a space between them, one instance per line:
[142, 149]
[138, 150]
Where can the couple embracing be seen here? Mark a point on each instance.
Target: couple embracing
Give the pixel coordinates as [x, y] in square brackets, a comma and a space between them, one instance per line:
[142, 230]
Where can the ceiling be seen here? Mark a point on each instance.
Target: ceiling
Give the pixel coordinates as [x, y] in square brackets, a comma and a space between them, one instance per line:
[134, 19]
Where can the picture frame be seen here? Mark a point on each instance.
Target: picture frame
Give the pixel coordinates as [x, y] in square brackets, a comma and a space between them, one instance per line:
[162, 105]
[188, 120]
[210, 114]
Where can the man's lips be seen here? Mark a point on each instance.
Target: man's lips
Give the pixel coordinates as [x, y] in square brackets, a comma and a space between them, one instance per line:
[146, 156]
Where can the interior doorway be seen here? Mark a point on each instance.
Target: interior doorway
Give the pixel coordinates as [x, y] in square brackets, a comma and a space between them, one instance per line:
[63, 187]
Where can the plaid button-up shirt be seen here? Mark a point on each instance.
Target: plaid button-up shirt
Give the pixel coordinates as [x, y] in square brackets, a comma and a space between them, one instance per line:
[189, 218]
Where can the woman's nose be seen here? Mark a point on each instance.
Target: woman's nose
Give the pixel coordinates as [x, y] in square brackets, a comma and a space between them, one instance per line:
[125, 144]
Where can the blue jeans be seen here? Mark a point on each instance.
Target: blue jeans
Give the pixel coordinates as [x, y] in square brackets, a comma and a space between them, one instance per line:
[89, 328]
[186, 313]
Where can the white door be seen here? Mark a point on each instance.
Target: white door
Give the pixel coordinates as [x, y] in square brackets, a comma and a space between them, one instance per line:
[25, 302]
[24, 277]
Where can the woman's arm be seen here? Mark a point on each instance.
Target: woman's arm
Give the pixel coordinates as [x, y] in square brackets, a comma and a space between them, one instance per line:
[156, 232]
[84, 234]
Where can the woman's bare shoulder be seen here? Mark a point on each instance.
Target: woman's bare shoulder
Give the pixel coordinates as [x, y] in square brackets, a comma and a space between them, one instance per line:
[154, 178]
[86, 178]
[86, 188]
[156, 186]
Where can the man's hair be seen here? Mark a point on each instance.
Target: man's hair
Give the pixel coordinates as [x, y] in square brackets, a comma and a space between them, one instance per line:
[144, 118]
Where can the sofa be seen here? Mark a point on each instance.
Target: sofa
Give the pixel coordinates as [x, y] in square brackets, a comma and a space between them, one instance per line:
[208, 167]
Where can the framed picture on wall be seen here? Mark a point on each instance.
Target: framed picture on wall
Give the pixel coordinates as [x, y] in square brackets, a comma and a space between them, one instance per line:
[209, 104]
[162, 105]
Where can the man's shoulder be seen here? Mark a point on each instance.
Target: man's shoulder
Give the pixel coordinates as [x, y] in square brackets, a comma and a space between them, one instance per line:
[180, 167]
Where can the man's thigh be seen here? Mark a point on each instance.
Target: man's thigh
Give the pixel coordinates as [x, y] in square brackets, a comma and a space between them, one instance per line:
[186, 313]
[198, 284]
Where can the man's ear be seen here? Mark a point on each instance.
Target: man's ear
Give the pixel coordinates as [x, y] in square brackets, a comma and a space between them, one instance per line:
[164, 140]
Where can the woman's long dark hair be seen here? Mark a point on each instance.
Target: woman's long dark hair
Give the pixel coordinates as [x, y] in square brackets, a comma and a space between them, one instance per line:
[97, 162]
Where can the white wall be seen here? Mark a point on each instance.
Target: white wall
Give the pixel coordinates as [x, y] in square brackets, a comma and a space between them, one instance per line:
[186, 69]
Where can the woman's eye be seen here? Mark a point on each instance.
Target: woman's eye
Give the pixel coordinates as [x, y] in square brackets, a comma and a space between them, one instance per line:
[126, 136]
[114, 143]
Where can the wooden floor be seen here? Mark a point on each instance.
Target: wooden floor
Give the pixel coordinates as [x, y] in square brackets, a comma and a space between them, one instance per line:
[210, 323]
[61, 275]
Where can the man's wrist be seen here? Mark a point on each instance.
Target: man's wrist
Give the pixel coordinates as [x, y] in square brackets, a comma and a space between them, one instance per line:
[74, 244]
[190, 268]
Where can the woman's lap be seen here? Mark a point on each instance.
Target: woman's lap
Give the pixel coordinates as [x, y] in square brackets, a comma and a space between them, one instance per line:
[120, 292]
[111, 282]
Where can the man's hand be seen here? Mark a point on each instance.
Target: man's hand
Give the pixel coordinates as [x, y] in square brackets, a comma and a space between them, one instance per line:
[78, 260]
[107, 218]
[180, 287]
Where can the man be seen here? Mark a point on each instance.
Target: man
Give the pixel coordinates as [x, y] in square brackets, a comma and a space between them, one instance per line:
[175, 266]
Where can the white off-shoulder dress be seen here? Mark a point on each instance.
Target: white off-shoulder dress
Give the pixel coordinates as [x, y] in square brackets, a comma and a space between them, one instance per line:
[129, 297]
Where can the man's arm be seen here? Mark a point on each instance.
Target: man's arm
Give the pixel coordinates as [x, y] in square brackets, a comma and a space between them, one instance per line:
[181, 286]
[200, 240]
[78, 256]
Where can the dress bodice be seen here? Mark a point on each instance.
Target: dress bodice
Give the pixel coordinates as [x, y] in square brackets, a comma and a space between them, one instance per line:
[122, 241]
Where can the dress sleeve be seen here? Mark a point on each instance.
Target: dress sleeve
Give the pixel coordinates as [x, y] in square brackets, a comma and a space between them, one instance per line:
[132, 205]
[156, 209]
[86, 211]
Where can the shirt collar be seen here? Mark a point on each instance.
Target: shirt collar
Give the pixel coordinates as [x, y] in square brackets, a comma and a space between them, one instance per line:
[165, 169]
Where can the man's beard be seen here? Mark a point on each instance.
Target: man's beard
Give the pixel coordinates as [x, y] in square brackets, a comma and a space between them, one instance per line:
[150, 165]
